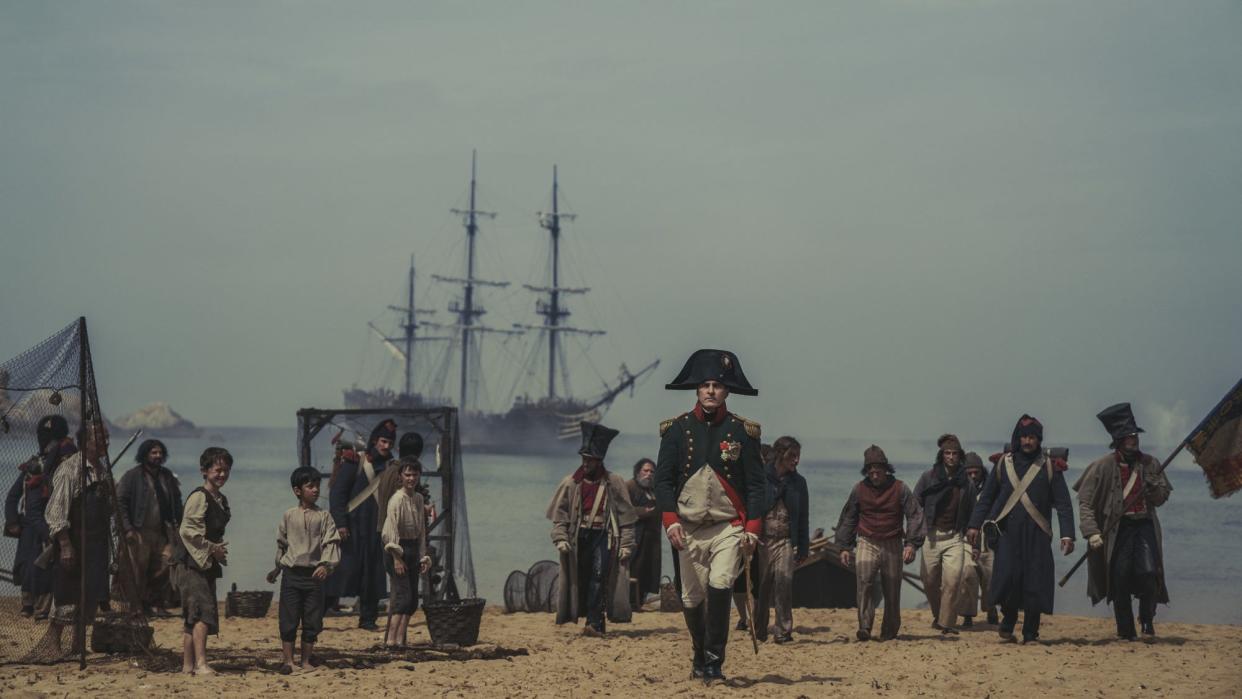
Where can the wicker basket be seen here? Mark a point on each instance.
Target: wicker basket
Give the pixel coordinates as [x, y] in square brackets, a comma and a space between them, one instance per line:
[252, 605]
[455, 622]
[119, 633]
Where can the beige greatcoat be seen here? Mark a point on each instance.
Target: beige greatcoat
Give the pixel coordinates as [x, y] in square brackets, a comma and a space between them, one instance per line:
[1100, 504]
[565, 511]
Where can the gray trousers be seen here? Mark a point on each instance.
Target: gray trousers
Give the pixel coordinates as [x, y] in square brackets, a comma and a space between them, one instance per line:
[879, 560]
[775, 560]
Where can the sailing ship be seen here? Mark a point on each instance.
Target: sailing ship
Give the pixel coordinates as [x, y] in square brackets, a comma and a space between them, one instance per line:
[547, 423]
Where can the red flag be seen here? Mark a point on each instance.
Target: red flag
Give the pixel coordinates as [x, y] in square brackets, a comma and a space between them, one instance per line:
[1217, 444]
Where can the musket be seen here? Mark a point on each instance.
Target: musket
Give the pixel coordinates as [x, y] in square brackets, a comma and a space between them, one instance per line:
[1112, 524]
[750, 603]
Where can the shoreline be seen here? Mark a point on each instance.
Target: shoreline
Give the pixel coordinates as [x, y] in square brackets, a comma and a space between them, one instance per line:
[1079, 657]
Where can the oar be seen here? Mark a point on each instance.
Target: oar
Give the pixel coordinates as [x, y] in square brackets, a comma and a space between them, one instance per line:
[1111, 524]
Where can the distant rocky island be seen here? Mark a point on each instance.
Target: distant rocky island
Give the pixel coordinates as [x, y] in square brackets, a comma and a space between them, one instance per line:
[158, 419]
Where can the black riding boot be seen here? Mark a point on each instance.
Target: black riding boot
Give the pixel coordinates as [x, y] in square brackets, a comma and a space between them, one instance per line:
[1147, 608]
[694, 624]
[716, 632]
[1123, 612]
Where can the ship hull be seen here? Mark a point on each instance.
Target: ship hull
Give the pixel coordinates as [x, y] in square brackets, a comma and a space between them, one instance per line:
[526, 429]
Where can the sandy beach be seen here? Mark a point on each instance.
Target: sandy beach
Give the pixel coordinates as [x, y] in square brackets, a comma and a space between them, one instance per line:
[533, 657]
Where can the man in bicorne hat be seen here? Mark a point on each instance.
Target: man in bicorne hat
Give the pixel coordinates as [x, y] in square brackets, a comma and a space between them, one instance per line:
[710, 487]
[593, 530]
[1117, 499]
[353, 503]
[871, 535]
[1018, 499]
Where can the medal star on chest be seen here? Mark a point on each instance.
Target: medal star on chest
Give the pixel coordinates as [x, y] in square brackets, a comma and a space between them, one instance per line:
[730, 451]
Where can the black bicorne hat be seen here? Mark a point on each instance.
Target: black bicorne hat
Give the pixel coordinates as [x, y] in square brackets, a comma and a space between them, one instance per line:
[713, 365]
[1118, 420]
[595, 439]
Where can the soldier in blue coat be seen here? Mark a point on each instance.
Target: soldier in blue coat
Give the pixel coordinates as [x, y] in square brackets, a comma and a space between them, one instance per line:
[24, 513]
[361, 572]
[1018, 499]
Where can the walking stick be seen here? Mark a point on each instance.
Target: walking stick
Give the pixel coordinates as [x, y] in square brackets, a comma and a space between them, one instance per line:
[1112, 524]
[750, 604]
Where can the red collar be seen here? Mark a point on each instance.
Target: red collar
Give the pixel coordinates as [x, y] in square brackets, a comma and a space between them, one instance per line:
[715, 419]
[580, 474]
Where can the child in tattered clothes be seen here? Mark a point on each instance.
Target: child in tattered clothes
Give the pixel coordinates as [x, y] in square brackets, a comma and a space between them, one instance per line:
[405, 542]
[307, 550]
[202, 534]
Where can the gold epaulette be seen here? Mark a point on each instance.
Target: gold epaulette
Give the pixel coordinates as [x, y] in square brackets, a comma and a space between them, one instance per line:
[752, 428]
[666, 424]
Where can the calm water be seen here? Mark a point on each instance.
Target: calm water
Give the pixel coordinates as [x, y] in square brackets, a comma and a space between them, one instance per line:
[508, 495]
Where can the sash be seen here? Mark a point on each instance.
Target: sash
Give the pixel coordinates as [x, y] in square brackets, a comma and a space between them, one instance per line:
[372, 485]
[1125, 493]
[1020, 487]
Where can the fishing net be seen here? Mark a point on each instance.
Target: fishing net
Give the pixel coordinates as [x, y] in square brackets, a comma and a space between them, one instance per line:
[47, 393]
[324, 434]
[541, 586]
[515, 592]
[534, 590]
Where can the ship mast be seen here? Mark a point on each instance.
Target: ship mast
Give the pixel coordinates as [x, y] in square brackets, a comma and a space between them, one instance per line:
[468, 310]
[551, 309]
[410, 336]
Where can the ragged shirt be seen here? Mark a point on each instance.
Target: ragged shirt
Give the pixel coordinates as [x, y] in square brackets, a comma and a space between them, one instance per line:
[405, 519]
[307, 538]
[66, 487]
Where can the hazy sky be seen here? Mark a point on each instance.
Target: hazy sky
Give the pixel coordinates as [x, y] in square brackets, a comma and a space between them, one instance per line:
[904, 217]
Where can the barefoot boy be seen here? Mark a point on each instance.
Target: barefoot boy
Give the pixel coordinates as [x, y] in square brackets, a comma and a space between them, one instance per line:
[307, 550]
[202, 533]
[405, 543]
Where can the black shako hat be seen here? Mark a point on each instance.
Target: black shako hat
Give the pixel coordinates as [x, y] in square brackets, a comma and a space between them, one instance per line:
[1118, 420]
[713, 365]
[595, 439]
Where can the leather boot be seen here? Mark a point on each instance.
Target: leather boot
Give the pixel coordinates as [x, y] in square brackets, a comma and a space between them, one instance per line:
[716, 633]
[1123, 612]
[694, 624]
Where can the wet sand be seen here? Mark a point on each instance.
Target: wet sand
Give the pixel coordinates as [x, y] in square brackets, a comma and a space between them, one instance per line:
[1080, 657]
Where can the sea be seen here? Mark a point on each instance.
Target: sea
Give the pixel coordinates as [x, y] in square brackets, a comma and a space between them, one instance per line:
[507, 497]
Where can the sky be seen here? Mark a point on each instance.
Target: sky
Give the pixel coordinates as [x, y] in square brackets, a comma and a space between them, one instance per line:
[904, 217]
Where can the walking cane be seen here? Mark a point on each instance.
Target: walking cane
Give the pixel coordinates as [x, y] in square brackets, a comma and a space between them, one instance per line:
[750, 604]
[1112, 524]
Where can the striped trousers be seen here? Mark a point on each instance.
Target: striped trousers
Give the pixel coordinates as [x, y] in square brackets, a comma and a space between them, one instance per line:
[879, 562]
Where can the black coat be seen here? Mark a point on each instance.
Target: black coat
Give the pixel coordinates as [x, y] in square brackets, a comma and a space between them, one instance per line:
[362, 554]
[797, 503]
[1023, 572]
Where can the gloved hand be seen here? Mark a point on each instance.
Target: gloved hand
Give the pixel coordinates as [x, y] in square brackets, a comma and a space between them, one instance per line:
[1095, 541]
[563, 546]
[624, 555]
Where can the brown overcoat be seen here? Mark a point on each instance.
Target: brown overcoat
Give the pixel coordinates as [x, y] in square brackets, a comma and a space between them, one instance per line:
[565, 511]
[1100, 504]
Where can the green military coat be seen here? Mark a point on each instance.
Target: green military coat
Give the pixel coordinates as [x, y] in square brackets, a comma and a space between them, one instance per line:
[730, 447]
